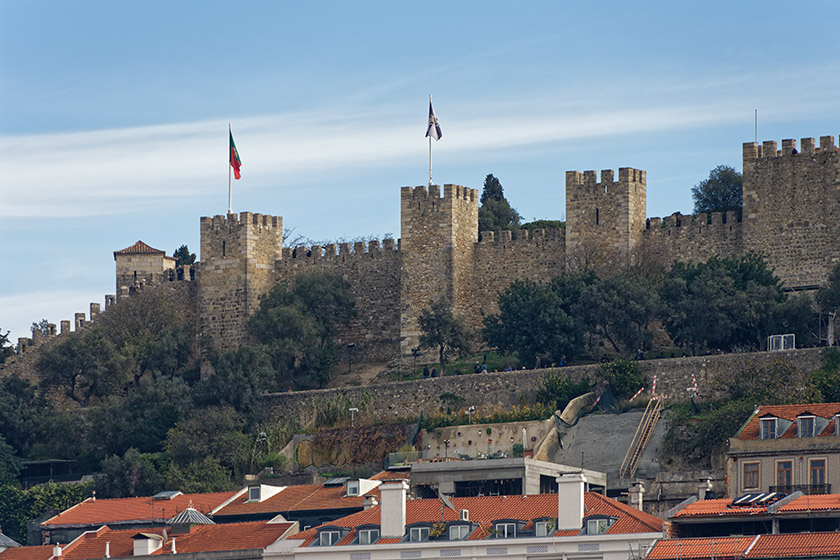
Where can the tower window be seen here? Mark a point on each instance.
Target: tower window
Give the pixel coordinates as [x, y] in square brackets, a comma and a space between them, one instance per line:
[597, 216]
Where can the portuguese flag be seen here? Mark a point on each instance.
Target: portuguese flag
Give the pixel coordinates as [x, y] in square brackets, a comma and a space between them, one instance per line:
[235, 162]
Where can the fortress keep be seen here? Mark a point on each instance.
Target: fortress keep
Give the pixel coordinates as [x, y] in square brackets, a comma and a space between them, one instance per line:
[791, 214]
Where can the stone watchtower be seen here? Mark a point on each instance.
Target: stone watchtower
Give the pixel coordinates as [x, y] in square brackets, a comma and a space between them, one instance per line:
[604, 219]
[237, 266]
[792, 208]
[437, 244]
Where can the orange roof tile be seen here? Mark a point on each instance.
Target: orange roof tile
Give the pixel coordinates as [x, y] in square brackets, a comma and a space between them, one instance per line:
[811, 503]
[392, 475]
[43, 552]
[485, 510]
[717, 508]
[790, 412]
[720, 548]
[796, 544]
[296, 498]
[139, 248]
[111, 511]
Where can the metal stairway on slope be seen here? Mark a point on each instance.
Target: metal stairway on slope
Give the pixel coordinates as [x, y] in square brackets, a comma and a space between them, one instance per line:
[640, 440]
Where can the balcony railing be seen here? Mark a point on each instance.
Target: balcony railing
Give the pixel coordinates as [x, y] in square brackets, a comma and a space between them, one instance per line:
[804, 488]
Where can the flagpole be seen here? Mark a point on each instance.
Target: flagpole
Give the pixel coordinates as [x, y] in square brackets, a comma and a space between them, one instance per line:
[230, 190]
[430, 148]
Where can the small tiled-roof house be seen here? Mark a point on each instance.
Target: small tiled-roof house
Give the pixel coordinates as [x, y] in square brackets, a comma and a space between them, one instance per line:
[784, 448]
[142, 264]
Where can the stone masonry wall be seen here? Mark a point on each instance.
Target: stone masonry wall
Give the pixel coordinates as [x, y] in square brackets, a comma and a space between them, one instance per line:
[374, 277]
[695, 238]
[406, 399]
[538, 255]
[792, 207]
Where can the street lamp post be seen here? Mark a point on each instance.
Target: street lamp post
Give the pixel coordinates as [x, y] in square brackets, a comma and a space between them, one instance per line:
[350, 356]
[414, 353]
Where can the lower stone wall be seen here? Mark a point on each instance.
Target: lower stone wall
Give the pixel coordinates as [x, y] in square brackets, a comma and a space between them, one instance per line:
[406, 399]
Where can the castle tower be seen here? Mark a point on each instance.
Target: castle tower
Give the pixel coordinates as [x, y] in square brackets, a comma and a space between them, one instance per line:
[604, 219]
[141, 264]
[438, 237]
[791, 208]
[237, 266]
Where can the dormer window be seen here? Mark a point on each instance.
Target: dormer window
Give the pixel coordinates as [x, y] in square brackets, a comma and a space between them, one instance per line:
[805, 426]
[459, 532]
[368, 536]
[837, 424]
[598, 525]
[418, 534]
[353, 488]
[768, 428]
[544, 528]
[329, 538]
[505, 530]
[253, 493]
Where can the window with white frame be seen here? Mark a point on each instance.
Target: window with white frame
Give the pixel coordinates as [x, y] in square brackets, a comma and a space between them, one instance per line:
[253, 493]
[598, 525]
[768, 428]
[418, 534]
[505, 530]
[458, 532]
[368, 536]
[543, 528]
[329, 538]
[353, 488]
[805, 426]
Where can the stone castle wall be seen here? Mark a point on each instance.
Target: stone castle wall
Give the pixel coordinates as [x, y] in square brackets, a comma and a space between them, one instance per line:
[489, 391]
[791, 214]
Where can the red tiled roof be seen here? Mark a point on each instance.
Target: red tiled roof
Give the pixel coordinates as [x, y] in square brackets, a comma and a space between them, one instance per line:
[790, 545]
[796, 544]
[297, 498]
[721, 548]
[392, 475]
[202, 538]
[790, 412]
[43, 552]
[720, 508]
[105, 511]
[139, 248]
[485, 510]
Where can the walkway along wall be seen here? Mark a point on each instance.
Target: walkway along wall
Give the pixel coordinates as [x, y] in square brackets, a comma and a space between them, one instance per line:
[407, 399]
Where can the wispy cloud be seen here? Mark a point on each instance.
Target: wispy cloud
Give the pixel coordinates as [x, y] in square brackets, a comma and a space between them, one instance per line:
[103, 172]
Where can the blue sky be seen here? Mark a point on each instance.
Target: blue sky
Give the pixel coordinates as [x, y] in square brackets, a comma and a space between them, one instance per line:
[114, 115]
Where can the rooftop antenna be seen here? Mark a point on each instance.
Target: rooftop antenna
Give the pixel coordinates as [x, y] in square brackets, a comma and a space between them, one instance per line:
[756, 126]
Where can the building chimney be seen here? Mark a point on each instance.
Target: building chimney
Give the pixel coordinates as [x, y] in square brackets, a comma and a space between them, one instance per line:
[107, 549]
[173, 546]
[57, 549]
[392, 511]
[570, 491]
[637, 491]
[704, 486]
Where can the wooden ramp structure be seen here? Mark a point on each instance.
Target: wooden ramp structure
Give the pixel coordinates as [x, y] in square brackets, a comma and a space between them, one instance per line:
[651, 416]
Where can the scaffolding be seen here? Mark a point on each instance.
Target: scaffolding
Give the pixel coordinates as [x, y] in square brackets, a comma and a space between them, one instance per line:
[640, 440]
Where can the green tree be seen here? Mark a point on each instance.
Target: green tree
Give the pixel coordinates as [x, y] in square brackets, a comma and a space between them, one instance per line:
[444, 330]
[620, 309]
[495, 212]
[239, 379]
[723, 303]
[297, 324]
[557, 389]
[9, 463]
[828, 296]
[85, 367]
[721, 192]
[130, 475]
[23, 414]
[827, 378]
[538, 319]
[183, 257]
[624, 376]
[6, 348]
[43, 326]
[19, 507]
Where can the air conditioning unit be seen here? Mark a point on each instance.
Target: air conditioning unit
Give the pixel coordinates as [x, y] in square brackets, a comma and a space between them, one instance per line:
[465, 515]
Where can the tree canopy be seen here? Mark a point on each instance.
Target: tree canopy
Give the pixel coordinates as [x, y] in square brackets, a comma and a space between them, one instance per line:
[720, 192]
[183, 257]
[495, 212]
[444, 330]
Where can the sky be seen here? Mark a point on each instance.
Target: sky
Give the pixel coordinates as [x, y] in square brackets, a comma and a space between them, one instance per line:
[113, 114]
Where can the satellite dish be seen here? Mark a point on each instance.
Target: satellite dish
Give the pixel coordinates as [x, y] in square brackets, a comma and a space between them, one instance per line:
[446, 501]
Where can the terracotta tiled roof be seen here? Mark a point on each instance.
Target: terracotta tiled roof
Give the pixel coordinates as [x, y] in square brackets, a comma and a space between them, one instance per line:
[105, 511]
[485, 510]
[139, 248]
[204, 538]
[721, 507]
[796, 544]
[721, 548]
[790, 412]
[296, 498]
[819, 502]
[791, 545]
[43, 552]
[392, 475]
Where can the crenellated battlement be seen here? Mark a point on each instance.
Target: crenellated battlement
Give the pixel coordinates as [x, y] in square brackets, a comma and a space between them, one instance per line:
[229, 221]
[769, 148]
[626, 175]
[341, 251]
[519, 235]
[432, 192]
